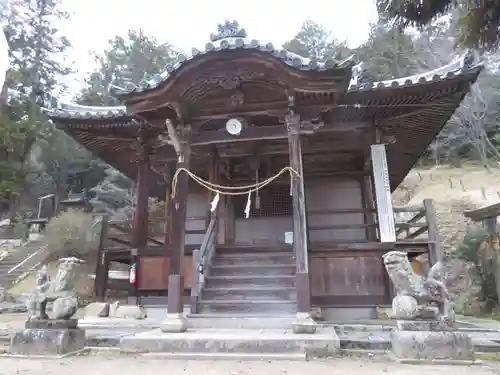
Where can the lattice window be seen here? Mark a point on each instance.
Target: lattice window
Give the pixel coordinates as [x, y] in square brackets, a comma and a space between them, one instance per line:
[274, 201]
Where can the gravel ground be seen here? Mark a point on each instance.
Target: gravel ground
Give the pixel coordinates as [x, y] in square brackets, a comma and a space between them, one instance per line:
[97, 365]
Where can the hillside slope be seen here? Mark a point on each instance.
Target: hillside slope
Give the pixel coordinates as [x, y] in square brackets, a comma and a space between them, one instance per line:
[453, 190]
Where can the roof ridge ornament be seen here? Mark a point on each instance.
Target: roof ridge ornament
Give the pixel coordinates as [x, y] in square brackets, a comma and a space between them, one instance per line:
[228, 29]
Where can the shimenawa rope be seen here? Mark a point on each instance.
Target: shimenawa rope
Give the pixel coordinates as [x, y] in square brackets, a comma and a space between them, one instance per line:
[219, 189]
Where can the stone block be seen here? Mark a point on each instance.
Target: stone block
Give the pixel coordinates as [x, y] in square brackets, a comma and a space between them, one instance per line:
[304, 324]
[113, 308]
[383, 312]
[51, 323]
[432, 345]
[97, 310]
[131, 312]
[174, 323]
[48, 342]
[425, 325]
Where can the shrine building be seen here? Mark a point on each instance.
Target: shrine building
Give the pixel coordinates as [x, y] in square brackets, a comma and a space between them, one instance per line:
[277, 173]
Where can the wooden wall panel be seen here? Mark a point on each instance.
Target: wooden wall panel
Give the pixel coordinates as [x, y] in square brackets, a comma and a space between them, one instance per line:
[347, 279]
[154, 272]
[196, 217]
[330, 195]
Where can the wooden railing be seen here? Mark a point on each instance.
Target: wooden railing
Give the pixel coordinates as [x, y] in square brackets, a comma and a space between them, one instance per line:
[125, 227]
[413, 223]
[202, 259]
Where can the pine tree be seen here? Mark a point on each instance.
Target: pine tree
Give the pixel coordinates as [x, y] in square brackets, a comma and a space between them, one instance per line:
[35, 52]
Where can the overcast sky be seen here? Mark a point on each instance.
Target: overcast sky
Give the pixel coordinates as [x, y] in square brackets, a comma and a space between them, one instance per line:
[188, 23]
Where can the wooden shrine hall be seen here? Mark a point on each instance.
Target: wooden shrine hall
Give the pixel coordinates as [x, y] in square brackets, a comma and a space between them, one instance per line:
[277, 173]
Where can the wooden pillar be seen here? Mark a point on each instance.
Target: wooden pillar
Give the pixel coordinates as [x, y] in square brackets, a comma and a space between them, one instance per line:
[102, 263]
[167, 226]
[491, 228]
[229, 220]
[213, 177]
[141, 219]
[369, 206]
[434, 241]
[300, 241]
[178, 227]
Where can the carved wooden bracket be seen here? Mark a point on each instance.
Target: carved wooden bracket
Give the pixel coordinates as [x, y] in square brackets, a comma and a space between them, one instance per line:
[295, 125]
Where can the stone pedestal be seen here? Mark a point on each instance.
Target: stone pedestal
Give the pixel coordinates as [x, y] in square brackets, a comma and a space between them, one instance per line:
[430, 341]
[304, 323]
[48, 338]
[174, 323]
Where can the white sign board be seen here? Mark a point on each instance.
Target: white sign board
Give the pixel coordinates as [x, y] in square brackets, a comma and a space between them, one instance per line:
[289, 238]
[385, 213]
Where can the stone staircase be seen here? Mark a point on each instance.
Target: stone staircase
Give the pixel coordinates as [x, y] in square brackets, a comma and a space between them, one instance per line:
[250, 281]
[31, 253]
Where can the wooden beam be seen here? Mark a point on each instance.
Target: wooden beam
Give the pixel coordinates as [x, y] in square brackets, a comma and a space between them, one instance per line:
[260, 133]
[114, 138]
[480, 214]
[251, 133]
[270, 109]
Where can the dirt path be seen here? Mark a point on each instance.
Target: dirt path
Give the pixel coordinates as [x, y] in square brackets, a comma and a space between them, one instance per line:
[129, 366]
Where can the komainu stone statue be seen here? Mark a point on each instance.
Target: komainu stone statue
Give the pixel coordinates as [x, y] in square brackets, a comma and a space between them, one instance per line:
[425, 329]
[418, 297]
[60, 291]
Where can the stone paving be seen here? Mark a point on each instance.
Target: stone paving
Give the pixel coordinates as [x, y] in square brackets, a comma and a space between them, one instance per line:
[102, 365]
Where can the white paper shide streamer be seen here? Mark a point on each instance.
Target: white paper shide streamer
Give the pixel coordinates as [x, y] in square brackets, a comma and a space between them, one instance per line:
[249, 203]
[4, 58]
[215, 202]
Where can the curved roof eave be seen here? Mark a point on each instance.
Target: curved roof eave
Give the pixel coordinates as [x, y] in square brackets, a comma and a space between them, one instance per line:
[237, 43]
[70, 110]
[467, 63]
[462, 65]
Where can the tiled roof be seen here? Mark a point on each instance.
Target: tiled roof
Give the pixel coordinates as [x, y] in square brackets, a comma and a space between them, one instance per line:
[73, 110]
[236, 43]
[460, 66]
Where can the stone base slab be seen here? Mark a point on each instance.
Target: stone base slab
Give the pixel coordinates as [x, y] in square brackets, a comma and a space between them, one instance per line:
[324, 343]
[425, 325]
[432, 345]
[442, 362]
[51, 323]
[47, 342]
[174, 323]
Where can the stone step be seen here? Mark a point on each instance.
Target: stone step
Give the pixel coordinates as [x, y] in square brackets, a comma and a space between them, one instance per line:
[239, 281]
[253, 270]
[277, 341]
[249, 293]
[117, 352]
[376, 343]
[253, 258]
[235, 249]
[247, 306]
[241, 321]
[7, 265]
[230, 356]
